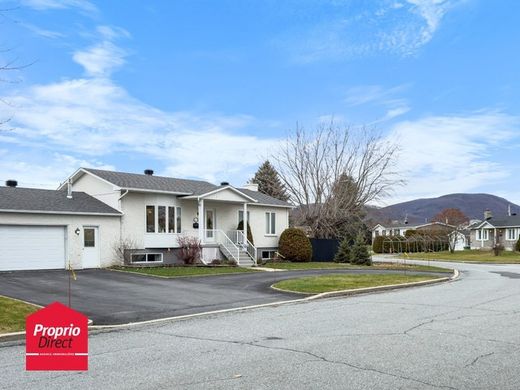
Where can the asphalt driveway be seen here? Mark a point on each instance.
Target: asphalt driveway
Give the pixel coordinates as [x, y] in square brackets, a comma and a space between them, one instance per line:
[110, 297]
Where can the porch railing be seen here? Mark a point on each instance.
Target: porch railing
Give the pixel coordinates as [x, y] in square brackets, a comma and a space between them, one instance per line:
[240, 240]
[226, 244]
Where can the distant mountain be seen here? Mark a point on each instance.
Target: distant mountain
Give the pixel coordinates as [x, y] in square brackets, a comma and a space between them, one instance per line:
[421, 210]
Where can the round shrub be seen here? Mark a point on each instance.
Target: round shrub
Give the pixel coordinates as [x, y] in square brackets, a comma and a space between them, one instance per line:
[295, 246]
[517, 245]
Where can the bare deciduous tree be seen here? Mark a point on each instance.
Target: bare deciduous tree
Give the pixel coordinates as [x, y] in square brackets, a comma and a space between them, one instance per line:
[122, 247]
[332, 172]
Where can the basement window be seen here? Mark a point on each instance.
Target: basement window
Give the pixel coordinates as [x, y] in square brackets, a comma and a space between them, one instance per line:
[146, 258]
[267, 255]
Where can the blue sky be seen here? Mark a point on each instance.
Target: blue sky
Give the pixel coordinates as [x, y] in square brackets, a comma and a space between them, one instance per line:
[207, 89]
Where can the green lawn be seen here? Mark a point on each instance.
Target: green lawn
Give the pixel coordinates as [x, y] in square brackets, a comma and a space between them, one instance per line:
[13, 313]
[176, 272]
[469, 255]
[327, 283]
[321, 265]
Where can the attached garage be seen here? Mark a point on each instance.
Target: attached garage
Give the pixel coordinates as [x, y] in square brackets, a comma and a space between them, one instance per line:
[32, 247]
[47, 229]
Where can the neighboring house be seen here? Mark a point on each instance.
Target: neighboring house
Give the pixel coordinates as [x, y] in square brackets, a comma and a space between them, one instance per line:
[141, 213]
[400, 229]
[493, 231]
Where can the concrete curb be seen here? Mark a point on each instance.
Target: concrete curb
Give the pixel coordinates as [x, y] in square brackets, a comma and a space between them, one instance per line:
[454, 277]
[266, 269]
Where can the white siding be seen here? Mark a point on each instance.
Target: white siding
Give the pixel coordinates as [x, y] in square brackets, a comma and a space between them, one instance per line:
[99, 189]
[108, 233]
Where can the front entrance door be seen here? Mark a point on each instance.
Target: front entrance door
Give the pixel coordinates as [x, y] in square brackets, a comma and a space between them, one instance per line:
[91, 247]
[211, 224]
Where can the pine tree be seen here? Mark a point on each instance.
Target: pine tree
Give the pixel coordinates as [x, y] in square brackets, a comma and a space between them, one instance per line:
[343, 253]
[359, 252]
[269, 182]
[249, 232]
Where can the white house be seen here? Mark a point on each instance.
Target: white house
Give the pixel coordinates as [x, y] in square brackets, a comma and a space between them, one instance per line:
[504, 231]
[141, 213]
[400, 229]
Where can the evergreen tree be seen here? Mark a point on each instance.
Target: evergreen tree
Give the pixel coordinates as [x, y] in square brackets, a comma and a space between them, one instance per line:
[359, 252]
[343, 253]
[249, 232]
[269, 182]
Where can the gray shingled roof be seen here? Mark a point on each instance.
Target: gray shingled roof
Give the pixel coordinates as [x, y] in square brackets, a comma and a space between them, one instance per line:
[170, 184]
[513, 220]
[49, 201]
[158, 183]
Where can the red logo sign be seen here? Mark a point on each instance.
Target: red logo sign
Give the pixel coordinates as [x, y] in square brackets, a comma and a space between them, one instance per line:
[56, 338]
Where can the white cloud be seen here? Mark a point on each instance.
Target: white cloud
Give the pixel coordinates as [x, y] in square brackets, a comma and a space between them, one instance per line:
[446, 154]
[91, 118]
[43, 32]
[83, 5]
[380, 97]
[101, 59]
[104, 57]
[397, 27]
[41, 171]
[432, 11]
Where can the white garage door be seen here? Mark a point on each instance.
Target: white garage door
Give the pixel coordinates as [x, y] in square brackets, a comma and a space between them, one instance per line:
[32, 247]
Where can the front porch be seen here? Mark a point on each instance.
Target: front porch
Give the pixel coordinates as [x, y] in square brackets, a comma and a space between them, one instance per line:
[214, 222]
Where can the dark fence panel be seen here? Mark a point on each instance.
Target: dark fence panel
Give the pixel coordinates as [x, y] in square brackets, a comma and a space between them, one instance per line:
[324, 249]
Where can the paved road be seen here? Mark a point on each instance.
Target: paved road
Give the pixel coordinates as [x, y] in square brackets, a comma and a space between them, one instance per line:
[109, 297]
[459, 335]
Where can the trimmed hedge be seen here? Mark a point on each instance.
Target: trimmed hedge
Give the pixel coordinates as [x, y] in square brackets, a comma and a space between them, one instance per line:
[398, 244]
[295, 246]
[377, 244]
[517, 246]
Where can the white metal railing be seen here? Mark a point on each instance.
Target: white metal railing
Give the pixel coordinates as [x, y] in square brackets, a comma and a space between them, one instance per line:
[231, 243]
[229, 248]
[238, 237]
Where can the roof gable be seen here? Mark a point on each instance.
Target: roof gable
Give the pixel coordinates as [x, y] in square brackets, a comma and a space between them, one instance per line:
[226, 193]
[500, 222]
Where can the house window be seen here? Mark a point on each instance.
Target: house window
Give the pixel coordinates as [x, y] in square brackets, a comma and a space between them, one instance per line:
[171, 219]
[89, 238]
[161, 219]
[383, 233]
[512, 234]
[146, 258]
[241, 216]
[377, 233]
[266, 255]
[396, 232]
[179, 227]
[270, 223]
[483, 235]
[150, 219]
